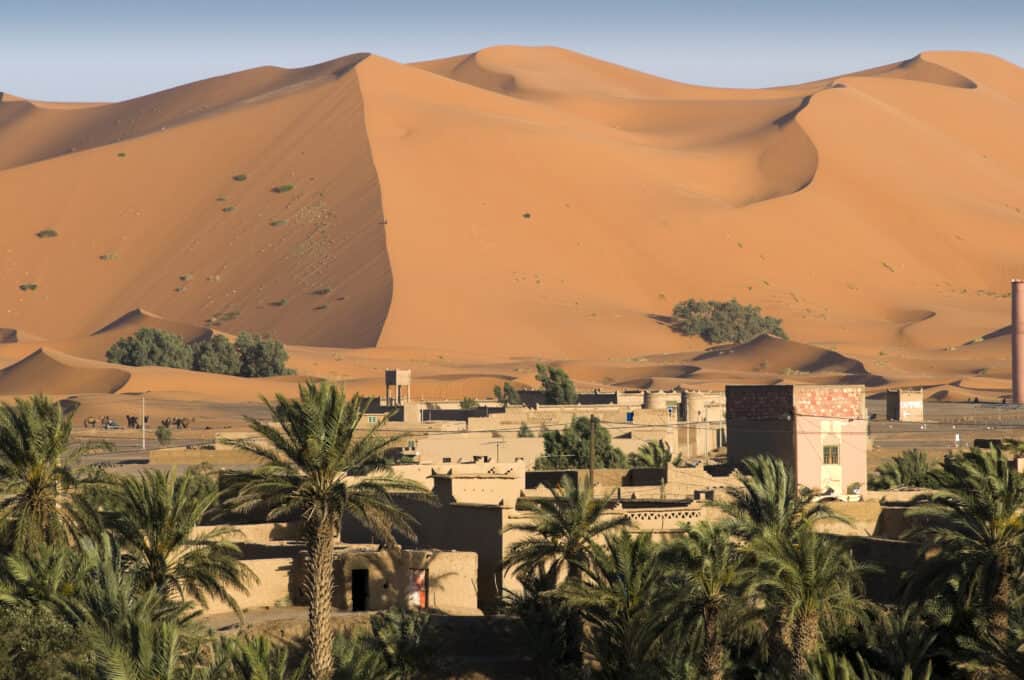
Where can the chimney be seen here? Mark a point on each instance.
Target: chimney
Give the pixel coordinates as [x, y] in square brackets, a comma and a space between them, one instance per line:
[1017, 340]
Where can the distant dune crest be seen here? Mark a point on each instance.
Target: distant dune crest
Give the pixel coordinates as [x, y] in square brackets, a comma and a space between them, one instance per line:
[519, 201]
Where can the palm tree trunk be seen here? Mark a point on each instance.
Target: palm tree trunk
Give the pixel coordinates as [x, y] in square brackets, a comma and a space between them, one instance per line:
[805, 643]
[713, 660]
[576, 631]
[1001, 607]
[319, 592]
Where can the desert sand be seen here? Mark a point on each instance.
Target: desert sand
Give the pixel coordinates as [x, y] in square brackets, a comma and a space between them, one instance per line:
[470, 216]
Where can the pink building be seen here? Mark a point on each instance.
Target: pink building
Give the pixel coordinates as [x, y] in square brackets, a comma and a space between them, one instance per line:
[821, 431]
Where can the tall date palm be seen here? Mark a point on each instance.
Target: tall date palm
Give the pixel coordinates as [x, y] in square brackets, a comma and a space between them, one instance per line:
[38, 475]
[155, 518]
[318, 463]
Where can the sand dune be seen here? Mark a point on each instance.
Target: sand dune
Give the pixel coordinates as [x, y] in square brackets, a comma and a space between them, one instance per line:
[769, 353]
[155, 229]
[44, 131]
[60, 374]
[527, 202]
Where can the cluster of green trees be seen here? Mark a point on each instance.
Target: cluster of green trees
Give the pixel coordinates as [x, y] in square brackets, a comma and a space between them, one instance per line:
[558, 387]
[571, 448]
[556, 384]
[761, 593]
[102, 576]
[250, 356]
[718, 322]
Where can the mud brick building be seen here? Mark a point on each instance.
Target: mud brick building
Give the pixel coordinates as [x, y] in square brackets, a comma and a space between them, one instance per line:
[818, 430]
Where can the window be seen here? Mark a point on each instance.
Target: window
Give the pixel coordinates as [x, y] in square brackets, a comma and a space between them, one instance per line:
[629, 416]
[371, 419]
[446, 460]
[830, 455]
[412, 444]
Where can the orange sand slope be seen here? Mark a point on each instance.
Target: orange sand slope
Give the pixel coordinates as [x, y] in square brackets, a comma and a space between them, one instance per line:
[526, 201]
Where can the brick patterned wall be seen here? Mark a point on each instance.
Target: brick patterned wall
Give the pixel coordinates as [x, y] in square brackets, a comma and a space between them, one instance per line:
[831, 401]
[758, 402]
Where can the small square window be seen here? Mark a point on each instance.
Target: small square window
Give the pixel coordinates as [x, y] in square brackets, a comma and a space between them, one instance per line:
[446, 460]
[371, 419]
[830, 455]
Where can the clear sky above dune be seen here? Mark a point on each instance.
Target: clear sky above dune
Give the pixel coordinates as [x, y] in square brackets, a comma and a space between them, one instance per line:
[89, 50]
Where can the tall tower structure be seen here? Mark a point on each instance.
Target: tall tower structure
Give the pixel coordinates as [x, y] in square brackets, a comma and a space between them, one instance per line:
[1017, 340]
[397, 386]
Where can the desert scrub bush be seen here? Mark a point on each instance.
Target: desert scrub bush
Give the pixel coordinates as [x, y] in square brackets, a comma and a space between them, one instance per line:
[558, 387]
[239, 178]
[278, 303]
[163, 435]
[121, 154]
[216, 354]
[723, 321]
[222, 317]
[107, 257]
[185, 277]
[282, 188]
[228, 208]
[47, 233]
[278, 223]
[28, 286]
[261, 356]
[151, 347]
[468, 404]
[322, 291]
[319, 308]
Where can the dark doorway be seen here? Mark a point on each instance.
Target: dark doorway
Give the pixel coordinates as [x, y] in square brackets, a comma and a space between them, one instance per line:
[360, 589]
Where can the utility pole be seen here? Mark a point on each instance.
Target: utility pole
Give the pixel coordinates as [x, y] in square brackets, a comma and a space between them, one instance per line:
[592, 421]
[143, 421]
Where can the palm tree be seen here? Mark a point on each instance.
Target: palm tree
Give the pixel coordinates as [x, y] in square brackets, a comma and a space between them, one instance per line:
[354, 659]
[546, 623]
[404, 641]
[812, 587]
[155, 518]
[618, 598]
[909, 469]
[561, 532]
[253, 657]
[768, 500]
[906, 638]
[976, 525]
[318, 465]
[38, 476]
[713, 579]
[651, 455]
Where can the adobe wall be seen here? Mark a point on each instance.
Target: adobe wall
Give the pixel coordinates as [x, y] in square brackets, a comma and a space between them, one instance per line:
[278, 585]
[756, 437]
[814, 433]
[221, 456]
[463, 527]
[261, 532]
[463, 447]
[451, 578]
[497, 490]
[892, 558]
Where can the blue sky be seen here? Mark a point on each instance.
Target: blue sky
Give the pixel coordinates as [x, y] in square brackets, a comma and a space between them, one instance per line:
[96, 51]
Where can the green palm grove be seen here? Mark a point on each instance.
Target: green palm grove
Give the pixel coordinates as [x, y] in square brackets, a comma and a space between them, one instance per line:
[102, 577]
[761, 593]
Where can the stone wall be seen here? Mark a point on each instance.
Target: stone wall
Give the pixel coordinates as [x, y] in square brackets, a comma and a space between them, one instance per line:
[830, 401]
